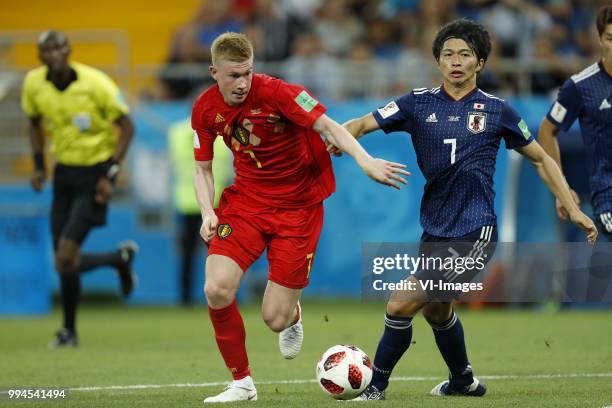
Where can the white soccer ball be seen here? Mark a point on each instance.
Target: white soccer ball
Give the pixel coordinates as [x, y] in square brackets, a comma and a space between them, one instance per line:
[344, 372]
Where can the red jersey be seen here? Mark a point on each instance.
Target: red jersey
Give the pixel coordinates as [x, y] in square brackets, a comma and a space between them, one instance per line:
[279, 160]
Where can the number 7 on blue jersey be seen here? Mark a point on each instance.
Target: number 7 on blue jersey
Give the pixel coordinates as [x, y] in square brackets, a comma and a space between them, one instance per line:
[453, 143]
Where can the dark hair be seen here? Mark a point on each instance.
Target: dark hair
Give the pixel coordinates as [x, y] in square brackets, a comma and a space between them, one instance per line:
[52, 35]
[604, 17]
[474, 34]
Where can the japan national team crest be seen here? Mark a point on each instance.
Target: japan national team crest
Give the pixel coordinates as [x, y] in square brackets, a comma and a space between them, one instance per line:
[477, 122]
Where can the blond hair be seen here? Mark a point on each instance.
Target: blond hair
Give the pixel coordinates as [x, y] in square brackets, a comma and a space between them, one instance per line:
[234, 47]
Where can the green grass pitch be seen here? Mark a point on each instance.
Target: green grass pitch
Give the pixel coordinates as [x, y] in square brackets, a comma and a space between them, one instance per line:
[167, 357]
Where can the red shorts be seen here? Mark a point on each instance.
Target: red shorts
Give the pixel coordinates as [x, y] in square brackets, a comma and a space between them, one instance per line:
[289, 235]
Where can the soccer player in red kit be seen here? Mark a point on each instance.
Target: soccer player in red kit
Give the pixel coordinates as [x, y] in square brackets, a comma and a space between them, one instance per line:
[282, 175]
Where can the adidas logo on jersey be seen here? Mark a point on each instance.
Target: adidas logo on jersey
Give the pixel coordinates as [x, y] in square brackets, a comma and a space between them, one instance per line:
[431, 118]
[219, 118]
[605, 105]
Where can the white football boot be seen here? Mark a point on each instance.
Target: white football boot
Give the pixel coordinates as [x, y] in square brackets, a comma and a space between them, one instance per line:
[240, 390]
[290, 340]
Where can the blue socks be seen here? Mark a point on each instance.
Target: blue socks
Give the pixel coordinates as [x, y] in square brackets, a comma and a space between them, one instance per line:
[397, 338]
[451, 343]
[393, 344]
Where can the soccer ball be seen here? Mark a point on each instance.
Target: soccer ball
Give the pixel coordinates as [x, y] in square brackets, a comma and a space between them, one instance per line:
[344, 372]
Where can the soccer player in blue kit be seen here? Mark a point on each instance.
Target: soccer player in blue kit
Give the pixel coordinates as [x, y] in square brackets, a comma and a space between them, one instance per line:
[456, 131]
[588, 97]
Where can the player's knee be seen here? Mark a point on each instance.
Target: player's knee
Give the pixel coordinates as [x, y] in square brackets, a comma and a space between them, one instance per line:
[218, 295]
[65, 263]
[437, 312]
[404, 308]
[277, 322]
[67, 256]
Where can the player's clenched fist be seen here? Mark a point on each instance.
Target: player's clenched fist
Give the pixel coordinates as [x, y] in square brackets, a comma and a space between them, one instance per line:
[37, 180]
[104, 190]
[209, 225]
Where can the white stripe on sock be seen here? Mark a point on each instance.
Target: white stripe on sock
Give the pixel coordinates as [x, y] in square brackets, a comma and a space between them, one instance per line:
[448, 325]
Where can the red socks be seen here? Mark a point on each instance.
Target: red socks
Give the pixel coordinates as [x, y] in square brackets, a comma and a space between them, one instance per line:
[231, 337]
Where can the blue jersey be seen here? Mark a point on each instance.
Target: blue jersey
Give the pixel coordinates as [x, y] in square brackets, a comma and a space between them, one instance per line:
[588, 97]
[456, 144]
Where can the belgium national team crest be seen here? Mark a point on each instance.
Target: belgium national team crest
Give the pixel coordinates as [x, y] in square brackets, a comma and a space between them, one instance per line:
[242, 135]
[224, 230]
[477, 122]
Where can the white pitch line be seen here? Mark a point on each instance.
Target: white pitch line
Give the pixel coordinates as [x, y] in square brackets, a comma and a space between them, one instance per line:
[312, 381]
[281, 382]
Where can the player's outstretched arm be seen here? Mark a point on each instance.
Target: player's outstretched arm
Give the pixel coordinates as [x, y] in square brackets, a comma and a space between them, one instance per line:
[204, 184]
[357, 127]
[37, 143]
[550, 173]
[379, 170]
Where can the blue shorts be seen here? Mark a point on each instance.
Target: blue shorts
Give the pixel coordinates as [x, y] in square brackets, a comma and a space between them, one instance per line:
[452, 261]
[603, 222]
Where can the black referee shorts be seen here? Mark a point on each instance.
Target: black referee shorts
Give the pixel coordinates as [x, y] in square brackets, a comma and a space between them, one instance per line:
[74, 210]
[462, 258]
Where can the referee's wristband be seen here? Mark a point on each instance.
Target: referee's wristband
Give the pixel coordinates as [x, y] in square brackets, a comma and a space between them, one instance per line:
[39, 161]
[112, 171]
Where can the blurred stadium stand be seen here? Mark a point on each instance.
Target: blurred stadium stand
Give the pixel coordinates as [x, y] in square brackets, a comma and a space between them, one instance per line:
[133, 42]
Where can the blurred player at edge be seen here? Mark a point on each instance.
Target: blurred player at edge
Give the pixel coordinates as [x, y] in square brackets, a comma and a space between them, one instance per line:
[282, 175]
[588, 97]
[456, 131]
[79, 107]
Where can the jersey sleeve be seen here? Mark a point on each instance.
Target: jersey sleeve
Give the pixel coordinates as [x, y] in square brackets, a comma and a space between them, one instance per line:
[111, 99]
[397, 115]
[297, 105]
[567, 107]
[513, 128]
[203, 137]
[28, 102]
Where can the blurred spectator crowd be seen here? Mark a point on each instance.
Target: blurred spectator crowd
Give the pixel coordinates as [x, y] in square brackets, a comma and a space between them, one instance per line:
[375, 48]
